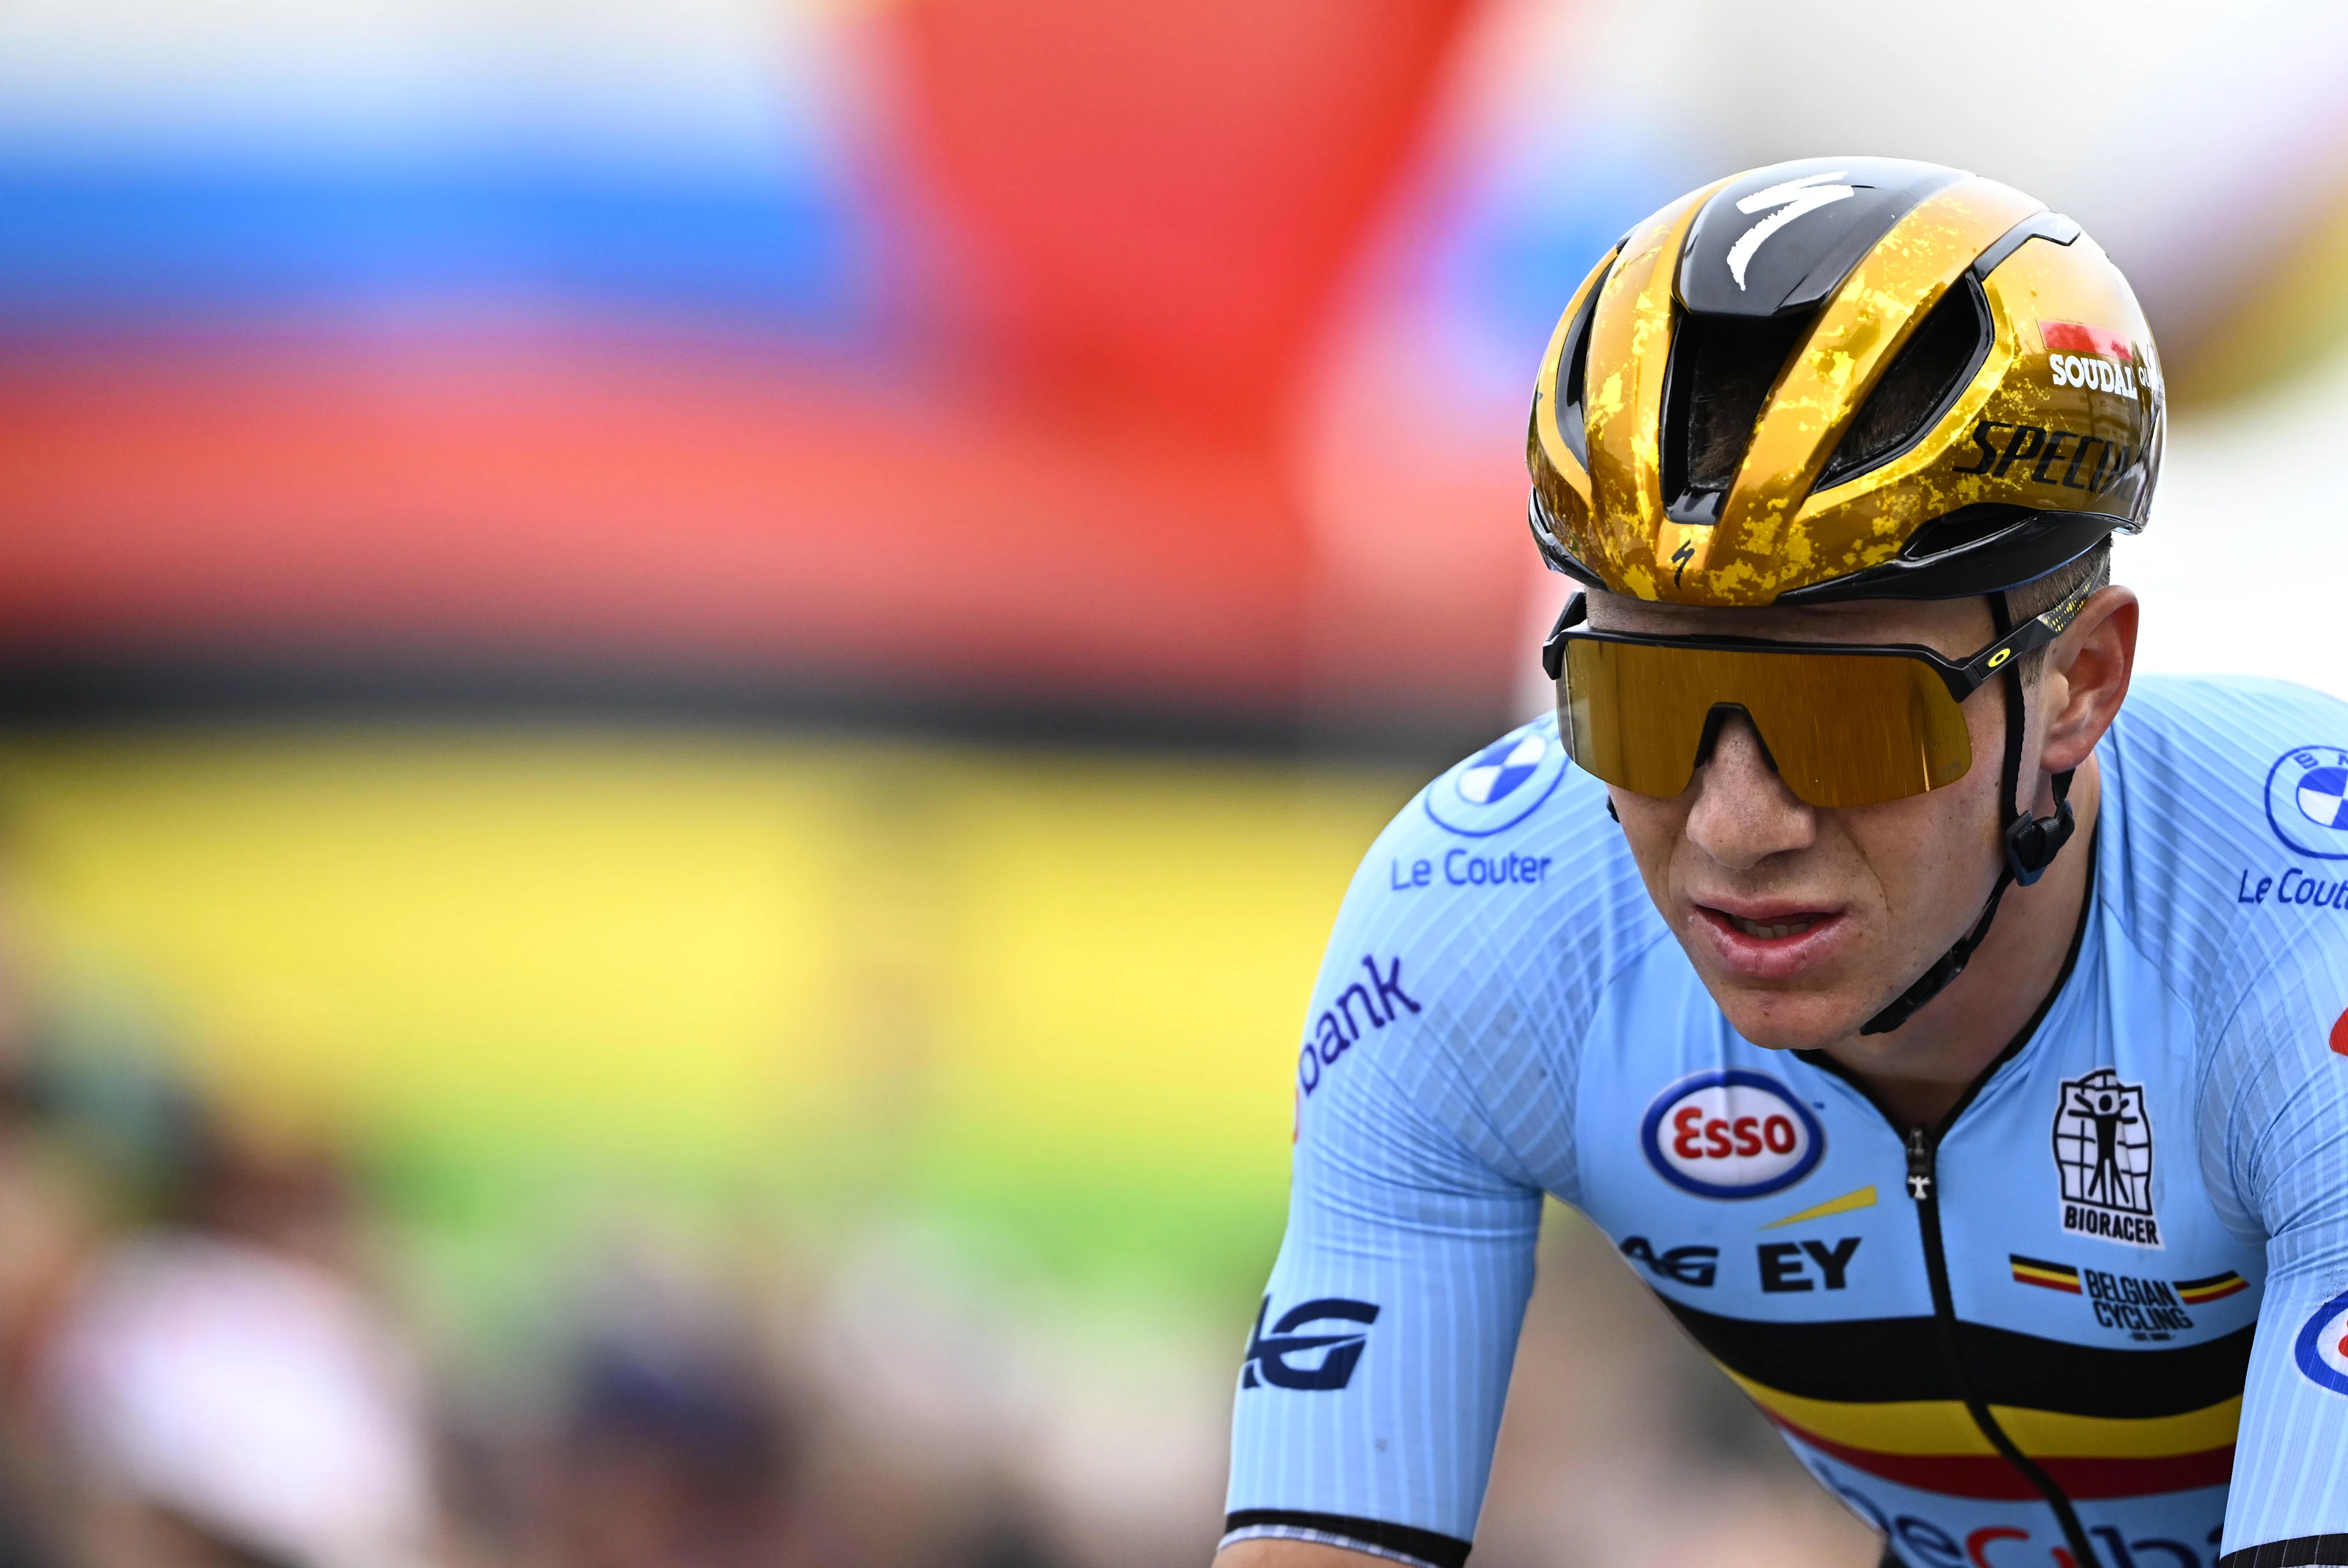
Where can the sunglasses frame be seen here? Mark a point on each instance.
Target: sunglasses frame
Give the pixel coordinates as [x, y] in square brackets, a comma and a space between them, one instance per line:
[1961, 677]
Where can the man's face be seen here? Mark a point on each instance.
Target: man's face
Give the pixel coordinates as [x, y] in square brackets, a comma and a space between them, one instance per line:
[1803, 921]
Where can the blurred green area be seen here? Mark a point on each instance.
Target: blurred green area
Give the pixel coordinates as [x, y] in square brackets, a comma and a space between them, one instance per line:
[768, 987]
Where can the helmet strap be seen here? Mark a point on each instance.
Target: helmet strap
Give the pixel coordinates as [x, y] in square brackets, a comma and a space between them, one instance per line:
[2031, 844]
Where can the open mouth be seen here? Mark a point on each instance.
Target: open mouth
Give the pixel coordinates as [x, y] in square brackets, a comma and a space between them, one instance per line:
[1771, 943]
[1792, 926]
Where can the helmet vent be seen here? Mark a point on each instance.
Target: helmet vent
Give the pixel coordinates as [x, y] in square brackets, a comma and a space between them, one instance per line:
[1932, 369]
[1721, 368]
[1965, 526]
[1571, 391]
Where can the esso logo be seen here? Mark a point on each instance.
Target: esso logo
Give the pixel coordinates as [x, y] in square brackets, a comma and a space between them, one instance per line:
[2321, 1351]
[1731, 1134]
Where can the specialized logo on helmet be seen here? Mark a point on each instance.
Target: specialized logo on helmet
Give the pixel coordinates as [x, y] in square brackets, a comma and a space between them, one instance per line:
[1791, 200]
[2321, 1348]
[2307, 801]
[1501, 785]
[1731, 1134]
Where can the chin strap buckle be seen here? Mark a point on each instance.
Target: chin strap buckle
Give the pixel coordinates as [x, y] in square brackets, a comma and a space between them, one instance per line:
[2032, 843]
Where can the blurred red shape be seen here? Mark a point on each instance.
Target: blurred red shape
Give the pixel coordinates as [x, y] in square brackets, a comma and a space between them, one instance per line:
[437, 497]
[1159, 197]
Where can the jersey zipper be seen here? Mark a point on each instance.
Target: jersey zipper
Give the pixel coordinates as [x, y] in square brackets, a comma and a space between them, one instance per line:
[1923, 1150]
[1923, 1188]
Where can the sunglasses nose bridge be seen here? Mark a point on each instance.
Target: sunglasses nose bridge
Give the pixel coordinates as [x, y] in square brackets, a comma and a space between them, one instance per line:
[1718, 719]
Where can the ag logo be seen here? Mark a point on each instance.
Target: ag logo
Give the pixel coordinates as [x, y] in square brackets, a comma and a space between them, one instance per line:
[2307, 801]
[1268, 1358]
[2322, 1350]
[1731, 1134]
[1696, 1266]
[1501, 785]
[2103, 1153]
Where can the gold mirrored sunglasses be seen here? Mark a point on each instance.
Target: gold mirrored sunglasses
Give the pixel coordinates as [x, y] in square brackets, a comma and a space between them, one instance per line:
[1843, 724]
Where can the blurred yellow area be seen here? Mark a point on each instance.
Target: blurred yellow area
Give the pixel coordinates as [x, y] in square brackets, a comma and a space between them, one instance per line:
[1056, 993]
[2291, 323]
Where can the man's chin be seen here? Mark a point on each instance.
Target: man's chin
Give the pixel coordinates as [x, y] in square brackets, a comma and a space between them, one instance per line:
[1792, 1020]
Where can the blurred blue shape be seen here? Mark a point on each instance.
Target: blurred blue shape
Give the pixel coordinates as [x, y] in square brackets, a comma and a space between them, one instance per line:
[1532, 229]
[100, 244]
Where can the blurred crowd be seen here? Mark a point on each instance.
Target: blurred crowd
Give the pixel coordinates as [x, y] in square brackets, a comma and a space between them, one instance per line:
[214, 1356]
[205, 1362]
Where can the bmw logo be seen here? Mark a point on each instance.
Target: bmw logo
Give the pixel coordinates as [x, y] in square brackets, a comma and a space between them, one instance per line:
[2307, 801]
[1501, 785]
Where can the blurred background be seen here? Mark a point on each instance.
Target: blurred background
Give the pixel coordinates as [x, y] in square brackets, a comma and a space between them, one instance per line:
[684, 688]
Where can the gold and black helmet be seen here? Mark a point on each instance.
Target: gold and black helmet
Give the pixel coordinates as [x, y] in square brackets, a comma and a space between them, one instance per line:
[1843, 378]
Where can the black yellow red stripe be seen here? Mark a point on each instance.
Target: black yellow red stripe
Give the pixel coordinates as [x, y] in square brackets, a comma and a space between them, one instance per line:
[2216, 1287]
[2048, 1276]
[2102, 1422]
[1935, 1444]
[2087, 1477]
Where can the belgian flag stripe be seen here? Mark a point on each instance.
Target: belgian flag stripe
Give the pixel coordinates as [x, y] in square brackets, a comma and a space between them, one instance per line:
[2048, 1276]
[1873, 1360]
[2216, 1287]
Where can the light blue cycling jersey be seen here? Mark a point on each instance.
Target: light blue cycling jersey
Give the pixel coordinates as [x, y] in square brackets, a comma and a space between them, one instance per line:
[2098, 1315]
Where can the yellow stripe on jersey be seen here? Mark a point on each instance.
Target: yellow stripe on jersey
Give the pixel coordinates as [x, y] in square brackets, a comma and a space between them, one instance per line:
[1946, 1427]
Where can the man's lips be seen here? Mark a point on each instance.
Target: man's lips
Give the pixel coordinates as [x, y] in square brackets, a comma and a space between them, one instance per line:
[1772, 942]
[1791, 928]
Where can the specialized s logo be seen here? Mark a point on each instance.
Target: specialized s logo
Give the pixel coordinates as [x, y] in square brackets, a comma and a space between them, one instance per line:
[2103, 1154]
[1501, 785]
[1791, 200]
[2307, 801]
[1731, 1134]
[1268, 1356]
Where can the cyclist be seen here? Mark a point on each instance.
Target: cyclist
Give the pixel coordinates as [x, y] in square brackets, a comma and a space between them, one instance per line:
[1957, 1053]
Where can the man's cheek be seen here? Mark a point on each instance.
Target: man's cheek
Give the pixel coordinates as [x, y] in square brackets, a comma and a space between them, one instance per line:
[1918, 852]
[1654, 830]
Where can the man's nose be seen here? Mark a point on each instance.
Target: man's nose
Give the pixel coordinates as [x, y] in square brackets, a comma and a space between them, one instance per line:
[1744, 813]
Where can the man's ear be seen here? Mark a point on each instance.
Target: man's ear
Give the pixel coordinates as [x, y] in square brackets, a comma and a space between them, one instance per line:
[2086, 677]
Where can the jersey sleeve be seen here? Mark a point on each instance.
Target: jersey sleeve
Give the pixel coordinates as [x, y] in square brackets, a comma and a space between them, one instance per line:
[1370, 1397]
[2279, 1094]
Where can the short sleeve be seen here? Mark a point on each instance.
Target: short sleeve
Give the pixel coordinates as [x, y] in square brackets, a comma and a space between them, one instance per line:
[1370, 1397]
[2276, 1119]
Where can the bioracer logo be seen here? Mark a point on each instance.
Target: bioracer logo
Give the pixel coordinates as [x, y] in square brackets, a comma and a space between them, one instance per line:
[2102, 1153]
[1731, 1134]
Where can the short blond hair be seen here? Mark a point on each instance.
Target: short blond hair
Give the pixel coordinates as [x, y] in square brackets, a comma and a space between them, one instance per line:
[2091, 571]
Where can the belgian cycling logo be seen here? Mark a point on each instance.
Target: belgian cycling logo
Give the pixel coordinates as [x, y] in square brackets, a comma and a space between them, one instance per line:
[2307, 801]
[2103, 1152]
[1268, 1358]
[2322, 1350]
[1501, 785]
[2142, 1308]
[1731, 1134]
